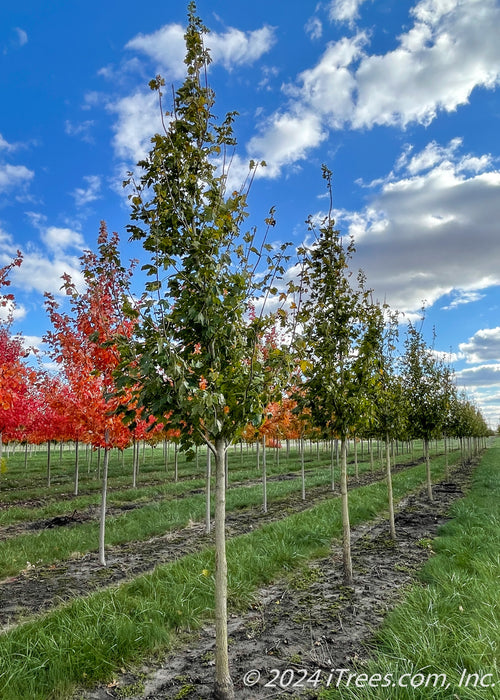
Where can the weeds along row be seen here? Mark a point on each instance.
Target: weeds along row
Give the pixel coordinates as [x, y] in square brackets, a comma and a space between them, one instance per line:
[90, 638]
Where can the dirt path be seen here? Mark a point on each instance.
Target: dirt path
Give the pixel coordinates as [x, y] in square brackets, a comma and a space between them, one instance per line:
[310, 621]
[39, 588]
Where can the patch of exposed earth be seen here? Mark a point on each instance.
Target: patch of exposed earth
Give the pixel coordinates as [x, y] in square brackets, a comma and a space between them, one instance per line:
[39, 588]
[308, 623]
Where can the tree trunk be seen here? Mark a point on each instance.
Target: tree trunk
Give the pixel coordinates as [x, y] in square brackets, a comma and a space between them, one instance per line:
[104, 493]
[428, 470]
[302, 470]
[135, 460]
[176, 462]
[346, 527]
[226, 468]
[75, 492]
[332, 463]
[356, 469]
[392, 525]
[264, 475]
[48, 464]
[208, 480]
[446, 465]
[223, 689]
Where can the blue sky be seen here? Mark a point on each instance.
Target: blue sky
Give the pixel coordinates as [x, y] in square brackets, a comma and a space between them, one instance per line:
[400, 99]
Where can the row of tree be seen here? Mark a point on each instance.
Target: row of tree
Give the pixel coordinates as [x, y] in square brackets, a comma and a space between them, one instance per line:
[218, 345]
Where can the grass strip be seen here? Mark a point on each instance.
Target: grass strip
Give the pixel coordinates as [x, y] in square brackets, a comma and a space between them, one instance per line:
[449, 624]
[89, 639]
[48, 546]
[21, 484]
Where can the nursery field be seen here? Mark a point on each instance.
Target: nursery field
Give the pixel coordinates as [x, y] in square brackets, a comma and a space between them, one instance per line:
[142, 626]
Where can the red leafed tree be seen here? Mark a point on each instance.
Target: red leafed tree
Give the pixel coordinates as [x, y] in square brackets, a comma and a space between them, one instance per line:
[51, 418]
[14, 374]
[15, 379]
[80, 341]
[81, 344]
[7, 299]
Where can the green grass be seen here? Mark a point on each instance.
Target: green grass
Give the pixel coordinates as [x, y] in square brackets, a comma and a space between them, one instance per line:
[89, 639]
[450, 623]
[49, 546]
[57, 544]
[20, 483]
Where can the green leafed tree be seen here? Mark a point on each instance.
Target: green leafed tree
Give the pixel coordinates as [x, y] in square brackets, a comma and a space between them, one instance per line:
[198, 355]
[386, 389]
[425, 381]
[336, 346]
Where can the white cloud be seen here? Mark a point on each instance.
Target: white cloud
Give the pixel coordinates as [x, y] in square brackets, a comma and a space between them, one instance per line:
[85, 195]
[446, 357]
[139, 115]
[232, 48]
[31, 342]
[6, 246]
[6, 146]
[92, 99]
[314, 28]
[483, 346]
[14, 176]
[430, 232]
[12, 312]
[56, 238]
[451, 49]
[237, 48]
[166, 46]
[82, 129]
[138, 120]
[286, 139]
[482, 376]
[268, 72]
[237, 173]
[59, 239]
[431, 155]
[328, 88]
[345, 10]
[22, 36]
[42, 274]
[462, 298]
[431, 11]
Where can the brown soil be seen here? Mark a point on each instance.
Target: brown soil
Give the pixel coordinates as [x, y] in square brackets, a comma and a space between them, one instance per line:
[309, 621]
